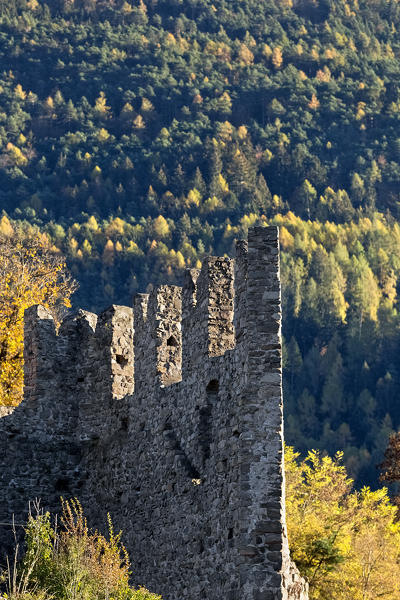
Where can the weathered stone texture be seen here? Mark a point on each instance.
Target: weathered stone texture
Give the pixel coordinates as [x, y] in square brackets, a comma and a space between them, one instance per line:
[6, 410]
[170, 418]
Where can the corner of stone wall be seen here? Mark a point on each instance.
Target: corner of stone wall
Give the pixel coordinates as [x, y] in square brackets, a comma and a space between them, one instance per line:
[263, 544]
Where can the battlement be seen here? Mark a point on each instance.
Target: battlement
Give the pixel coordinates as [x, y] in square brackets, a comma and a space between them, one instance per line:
[168, 416]
[173, 329]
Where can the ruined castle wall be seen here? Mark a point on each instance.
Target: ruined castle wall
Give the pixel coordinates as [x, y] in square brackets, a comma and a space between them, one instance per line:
[171, 420]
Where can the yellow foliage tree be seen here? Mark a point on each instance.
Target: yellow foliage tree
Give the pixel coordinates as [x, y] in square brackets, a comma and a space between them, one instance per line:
[134, 249]
[314, 102]
[246, 57]
[170, 39]
[212, 204]
[180, 260]
[138, 122]
[277, 58]
[92, 223]
[115, 228]
[101, 107]
[242, 132]
[6, 229]
[48, 105]
[96, 172]
[147, 105]
[31, 272]
[347, 543]
[193, 198]
[267, 51]
[161, 227]
[16, 155]
[126, 8]
[103, 135]
[108, 253]
[19, 92]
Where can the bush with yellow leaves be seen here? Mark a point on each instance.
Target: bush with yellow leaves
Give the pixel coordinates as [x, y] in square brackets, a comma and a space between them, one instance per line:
[71, 562]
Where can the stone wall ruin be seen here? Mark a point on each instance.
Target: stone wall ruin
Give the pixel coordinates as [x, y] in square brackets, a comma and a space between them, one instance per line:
[168, 416]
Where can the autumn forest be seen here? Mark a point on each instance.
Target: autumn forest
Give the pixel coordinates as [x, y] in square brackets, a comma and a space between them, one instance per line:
[138, 137]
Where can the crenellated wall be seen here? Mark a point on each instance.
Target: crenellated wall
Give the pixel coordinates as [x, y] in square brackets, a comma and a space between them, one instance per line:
[170, 418]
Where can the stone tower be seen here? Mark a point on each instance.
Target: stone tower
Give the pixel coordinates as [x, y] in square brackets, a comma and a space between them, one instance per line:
[168, 416]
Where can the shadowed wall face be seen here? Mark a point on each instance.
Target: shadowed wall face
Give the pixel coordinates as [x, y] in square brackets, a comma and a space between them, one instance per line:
[170, 418]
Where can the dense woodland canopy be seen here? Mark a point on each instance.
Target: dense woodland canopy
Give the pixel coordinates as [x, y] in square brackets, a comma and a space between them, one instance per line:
[142, 135]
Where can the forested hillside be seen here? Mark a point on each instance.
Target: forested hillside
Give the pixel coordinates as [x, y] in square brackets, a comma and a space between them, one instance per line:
[140, 136]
